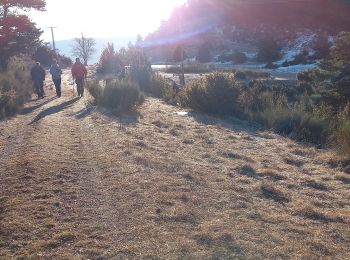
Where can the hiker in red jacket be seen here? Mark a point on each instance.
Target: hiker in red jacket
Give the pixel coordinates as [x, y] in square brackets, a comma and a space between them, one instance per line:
[79, 72]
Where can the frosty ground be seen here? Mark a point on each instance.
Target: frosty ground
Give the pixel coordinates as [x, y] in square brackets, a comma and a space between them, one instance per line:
[79, 183]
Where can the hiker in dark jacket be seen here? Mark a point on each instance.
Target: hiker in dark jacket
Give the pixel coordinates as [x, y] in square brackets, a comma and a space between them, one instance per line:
[56, 73]
[38, 76]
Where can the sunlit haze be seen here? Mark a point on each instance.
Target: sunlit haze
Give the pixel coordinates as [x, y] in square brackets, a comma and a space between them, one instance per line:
[102, 18]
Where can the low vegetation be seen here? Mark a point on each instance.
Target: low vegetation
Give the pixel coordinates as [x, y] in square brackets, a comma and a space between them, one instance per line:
[164, 88]
[286, 111]
[118, 95]
[15, 86]
[128, 72]
[235, 57]
[216, 93]
[316, 109]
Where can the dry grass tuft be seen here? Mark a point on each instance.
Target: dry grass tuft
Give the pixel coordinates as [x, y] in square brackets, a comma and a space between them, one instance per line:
[182, 218]
[343, 178]
[294, 162]
[271, 192]
[270, 174]
[160, 124]
[316, 185]
[247, 170]
[204, 240]
[59, 240]
[317, 215]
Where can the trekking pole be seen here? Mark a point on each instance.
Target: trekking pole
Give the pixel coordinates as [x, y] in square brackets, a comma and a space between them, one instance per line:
[86, 84]
[73, 86]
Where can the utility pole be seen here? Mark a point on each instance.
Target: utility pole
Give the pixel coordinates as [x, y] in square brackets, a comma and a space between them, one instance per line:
[53, 39]
[182, 76]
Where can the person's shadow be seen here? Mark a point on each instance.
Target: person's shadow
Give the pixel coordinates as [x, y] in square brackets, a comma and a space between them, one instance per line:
[28, 110]
[53, 110]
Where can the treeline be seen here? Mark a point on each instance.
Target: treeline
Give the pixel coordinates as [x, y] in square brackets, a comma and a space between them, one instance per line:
[211, 24]
[259, 16]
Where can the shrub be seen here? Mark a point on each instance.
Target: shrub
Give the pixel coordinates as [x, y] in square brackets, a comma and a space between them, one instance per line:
[204, 53]
[240, 75]
[340, 53]
[142, 76]
[140, 69]
[236, 57]
[268, 51]
[118, 95]
[95, 90]
[137, 66]
[15, 86]
[216, 93]
[177, 55]
[301, 58]
[262, 95]
[239, 57]
[322, 46]
[110, 62]
[298, 124]
[342, 136]
[163, 88]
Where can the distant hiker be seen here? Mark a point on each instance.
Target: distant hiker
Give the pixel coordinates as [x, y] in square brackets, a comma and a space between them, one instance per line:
[79, 72]
[56, 73]
[38, 76]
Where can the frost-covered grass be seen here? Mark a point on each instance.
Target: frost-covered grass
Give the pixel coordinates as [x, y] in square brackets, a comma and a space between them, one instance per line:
[15, 87]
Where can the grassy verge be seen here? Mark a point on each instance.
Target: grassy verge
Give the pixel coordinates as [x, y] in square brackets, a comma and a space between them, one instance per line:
[15, 87]
[283, 109]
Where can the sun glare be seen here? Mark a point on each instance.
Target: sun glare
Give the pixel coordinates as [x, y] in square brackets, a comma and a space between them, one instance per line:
[103, 18]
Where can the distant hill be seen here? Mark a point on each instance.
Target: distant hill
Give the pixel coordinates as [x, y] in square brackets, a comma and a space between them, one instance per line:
[65, 46]
[228, 26]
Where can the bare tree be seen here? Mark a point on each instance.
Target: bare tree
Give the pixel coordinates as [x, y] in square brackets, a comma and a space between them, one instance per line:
[84, 48]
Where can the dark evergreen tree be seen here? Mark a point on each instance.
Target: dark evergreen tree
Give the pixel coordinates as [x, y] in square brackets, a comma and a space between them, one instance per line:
[178, 56]
[110, 63]
[322, 46]
[204, 53]
[268, 51]
[45, 55]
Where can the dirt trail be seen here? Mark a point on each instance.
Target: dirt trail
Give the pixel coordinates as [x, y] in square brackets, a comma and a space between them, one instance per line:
[76, 183]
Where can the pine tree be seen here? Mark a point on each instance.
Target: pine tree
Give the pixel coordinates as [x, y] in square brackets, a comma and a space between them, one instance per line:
[110, 62]
[204, 54]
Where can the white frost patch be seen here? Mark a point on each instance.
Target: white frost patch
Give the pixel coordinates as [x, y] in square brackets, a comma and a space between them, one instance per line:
[303, 42]
[296, 68]
[183, 113]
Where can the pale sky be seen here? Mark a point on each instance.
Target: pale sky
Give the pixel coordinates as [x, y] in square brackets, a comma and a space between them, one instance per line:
[102, 18]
